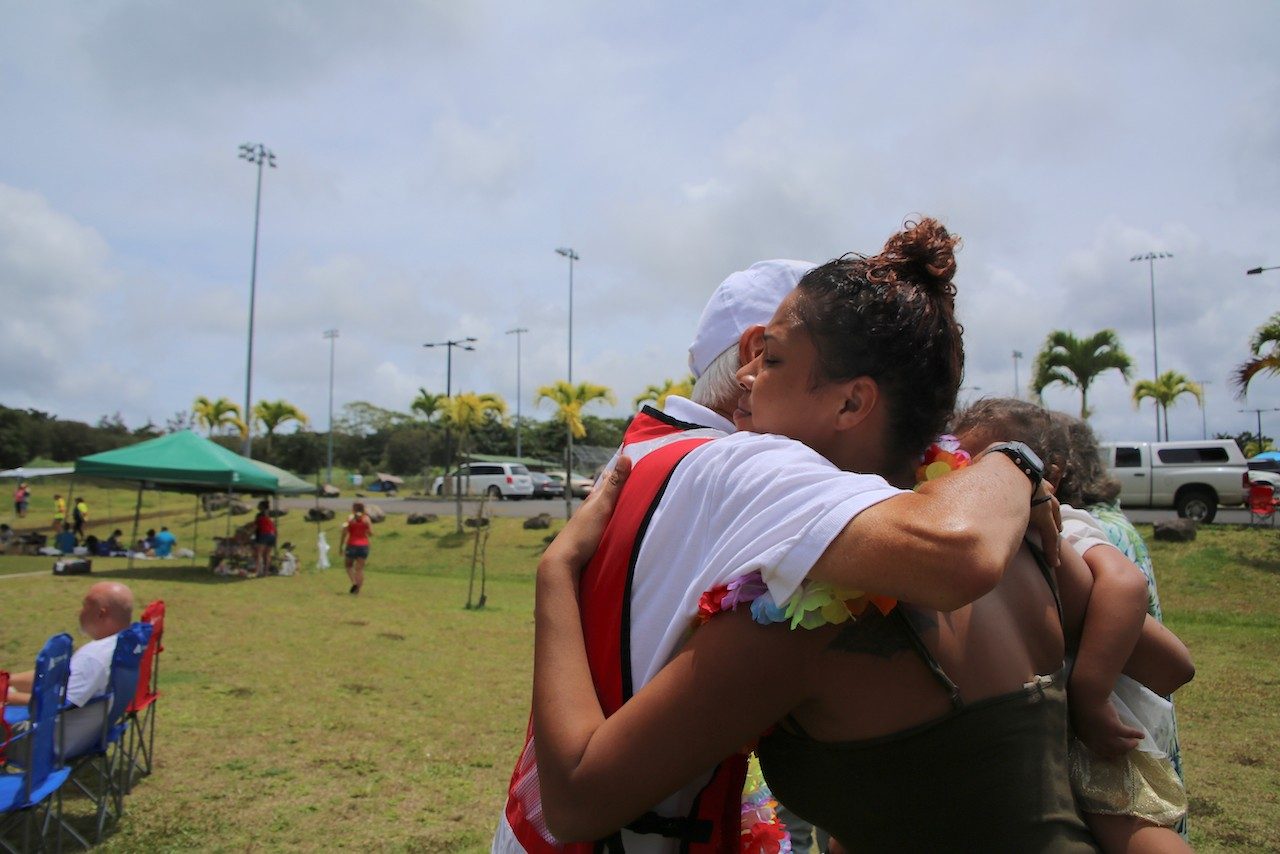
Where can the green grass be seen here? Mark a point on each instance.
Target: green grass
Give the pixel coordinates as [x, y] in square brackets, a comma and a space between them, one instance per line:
[295, 716]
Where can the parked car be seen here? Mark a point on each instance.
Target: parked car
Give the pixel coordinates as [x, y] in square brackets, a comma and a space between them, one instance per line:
[1193, 477]
[581, 484]
[545, 486]
[496, 480]
[1265, 469]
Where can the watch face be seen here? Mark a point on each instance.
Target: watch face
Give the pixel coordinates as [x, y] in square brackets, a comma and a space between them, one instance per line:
[1031, 455]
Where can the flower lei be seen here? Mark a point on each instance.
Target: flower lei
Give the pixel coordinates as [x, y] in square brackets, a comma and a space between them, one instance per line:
[943, 457]
[816, 603]
[761, 831]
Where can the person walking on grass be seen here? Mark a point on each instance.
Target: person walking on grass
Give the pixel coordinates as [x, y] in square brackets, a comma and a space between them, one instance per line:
[21, 496]
[59, 512]
[354, 544]
[264, 538]
[79, 515]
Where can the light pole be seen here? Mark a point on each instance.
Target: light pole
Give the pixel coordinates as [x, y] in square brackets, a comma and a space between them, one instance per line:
[1259, 412]
[332, 335]
[568, 252]
[258, 155]
[465, 344]
[1151, 258]
[1256, 270]
[518, 331]
[1017, 354]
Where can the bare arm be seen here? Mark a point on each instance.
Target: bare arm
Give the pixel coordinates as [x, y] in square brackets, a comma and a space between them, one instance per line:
[1112, 625]
[1161, 661]
[712, 700]
[20, 687]
[944, 545]
[599, 773]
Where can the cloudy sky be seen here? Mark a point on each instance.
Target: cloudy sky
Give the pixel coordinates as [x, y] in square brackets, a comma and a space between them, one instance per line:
[432, 156]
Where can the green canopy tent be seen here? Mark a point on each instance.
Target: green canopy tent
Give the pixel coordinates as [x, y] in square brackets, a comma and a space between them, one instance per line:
[180, 462]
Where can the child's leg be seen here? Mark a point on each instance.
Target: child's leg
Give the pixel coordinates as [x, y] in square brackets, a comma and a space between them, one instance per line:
[1126, 834]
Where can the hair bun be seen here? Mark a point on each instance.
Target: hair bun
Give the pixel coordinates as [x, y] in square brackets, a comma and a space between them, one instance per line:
[923, 253]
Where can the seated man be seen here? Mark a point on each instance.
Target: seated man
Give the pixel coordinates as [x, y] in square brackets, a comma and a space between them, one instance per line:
[65, 542]
[163, 542]
[147, 544]
[106, 611]
[111, 546]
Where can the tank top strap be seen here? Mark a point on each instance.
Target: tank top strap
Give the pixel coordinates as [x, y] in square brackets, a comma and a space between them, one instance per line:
[953, 692]
[1047, 572]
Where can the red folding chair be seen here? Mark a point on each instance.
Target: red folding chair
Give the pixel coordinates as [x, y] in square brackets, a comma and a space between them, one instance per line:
[1262, 503]
[141, 714]
[6, 732]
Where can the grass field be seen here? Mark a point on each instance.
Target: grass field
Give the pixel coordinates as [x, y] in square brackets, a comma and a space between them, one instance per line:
[298, 717]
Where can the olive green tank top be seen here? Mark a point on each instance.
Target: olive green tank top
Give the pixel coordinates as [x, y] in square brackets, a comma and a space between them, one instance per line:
[989, 776]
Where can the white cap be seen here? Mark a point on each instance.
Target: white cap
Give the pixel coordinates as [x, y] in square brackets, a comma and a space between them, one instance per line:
[747, 298]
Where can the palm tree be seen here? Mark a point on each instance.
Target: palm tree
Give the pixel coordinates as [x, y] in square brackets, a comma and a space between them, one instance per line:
[272, 413]
[218, 414]
[467, 410]
[1265, 346]
[569, 399]
[1077, 362]
[430, 405]
[659, 393]
[463, 413]
[1165, 390]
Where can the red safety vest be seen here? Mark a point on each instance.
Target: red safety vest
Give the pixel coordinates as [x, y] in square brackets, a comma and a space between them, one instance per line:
[605, 603]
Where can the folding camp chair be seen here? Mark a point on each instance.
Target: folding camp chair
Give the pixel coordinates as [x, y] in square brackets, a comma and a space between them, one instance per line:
[99, 771]
[141, 714]
[1262, 503]
[31, 796]
[6, 731]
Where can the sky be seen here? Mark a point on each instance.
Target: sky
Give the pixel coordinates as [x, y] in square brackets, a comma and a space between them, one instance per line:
[431, 156]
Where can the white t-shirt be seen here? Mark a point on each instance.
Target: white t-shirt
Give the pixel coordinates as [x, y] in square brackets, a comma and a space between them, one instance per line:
[90, 676]
[90, 670]
[1081, 531]
[734, 505]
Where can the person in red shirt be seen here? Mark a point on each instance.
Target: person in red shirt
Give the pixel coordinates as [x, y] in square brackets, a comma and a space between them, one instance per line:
[354, 544]
[264, 539]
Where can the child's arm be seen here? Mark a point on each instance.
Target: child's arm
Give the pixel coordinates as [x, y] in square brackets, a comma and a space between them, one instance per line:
[1161, 661]
[1112, 626]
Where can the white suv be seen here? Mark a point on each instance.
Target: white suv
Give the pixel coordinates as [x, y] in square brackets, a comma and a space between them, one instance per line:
[496, 480]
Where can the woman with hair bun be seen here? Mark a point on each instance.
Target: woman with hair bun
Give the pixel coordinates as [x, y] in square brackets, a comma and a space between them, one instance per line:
[907, 728]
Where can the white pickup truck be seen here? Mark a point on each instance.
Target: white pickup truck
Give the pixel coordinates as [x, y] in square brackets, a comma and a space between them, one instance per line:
[1192, 477]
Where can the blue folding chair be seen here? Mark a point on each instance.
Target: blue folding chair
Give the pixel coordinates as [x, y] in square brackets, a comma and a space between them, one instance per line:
[31, 797]
[100, 770]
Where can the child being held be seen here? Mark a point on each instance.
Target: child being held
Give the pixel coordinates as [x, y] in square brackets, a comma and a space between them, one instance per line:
[1121, 773]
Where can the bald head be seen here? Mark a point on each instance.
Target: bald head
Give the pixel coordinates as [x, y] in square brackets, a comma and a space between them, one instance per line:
[106, 610]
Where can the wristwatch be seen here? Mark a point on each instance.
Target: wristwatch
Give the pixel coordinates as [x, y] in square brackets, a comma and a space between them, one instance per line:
[1027, 461]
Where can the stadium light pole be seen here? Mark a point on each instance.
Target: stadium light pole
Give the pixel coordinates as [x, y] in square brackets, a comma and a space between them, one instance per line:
[1151, 258]
[518, 331]
[1259, 412]
[1017, 395]
[1253, 271]
[567, 251]
[465, 344]
[332, 335]
[260, 156]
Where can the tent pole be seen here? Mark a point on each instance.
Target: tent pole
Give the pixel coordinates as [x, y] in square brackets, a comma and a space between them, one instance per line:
[195, 533]
[137, 512]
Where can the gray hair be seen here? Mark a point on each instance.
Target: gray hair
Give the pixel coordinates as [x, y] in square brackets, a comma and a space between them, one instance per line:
[718, 387]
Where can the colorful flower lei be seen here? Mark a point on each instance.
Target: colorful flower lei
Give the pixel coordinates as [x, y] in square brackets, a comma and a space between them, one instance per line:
[761, 830]
[942, 457]
[816, 603]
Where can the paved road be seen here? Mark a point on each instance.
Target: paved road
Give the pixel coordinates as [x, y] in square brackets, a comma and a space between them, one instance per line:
[526, 508]
[440, 506]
